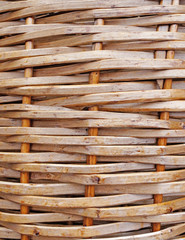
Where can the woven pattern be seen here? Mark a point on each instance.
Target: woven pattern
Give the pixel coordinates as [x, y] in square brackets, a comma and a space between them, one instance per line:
[92, 119]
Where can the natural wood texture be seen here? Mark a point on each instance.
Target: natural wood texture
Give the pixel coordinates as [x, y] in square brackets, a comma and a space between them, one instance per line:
[81, 94]
[113, 13]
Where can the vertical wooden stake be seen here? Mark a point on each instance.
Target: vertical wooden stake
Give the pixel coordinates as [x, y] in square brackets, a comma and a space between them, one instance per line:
[91, 160]
[25, 147]
[158, 198]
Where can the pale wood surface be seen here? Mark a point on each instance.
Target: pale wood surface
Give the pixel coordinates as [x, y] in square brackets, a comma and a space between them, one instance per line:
[80, 119]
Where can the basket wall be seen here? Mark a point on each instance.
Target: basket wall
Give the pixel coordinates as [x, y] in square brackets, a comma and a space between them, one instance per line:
[92, 112]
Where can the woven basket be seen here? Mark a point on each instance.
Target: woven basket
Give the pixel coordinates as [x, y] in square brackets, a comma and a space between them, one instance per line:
[92, 133]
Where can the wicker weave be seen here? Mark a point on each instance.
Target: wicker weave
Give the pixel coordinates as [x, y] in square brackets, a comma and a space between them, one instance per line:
[92, 112]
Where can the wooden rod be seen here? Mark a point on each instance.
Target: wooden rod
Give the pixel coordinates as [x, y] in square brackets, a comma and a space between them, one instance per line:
[158, 198]
[91, 160]
[25, 147]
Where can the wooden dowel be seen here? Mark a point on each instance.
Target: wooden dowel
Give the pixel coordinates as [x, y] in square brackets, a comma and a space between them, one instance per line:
[25, 147]
[91, 160]
[158, 198]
